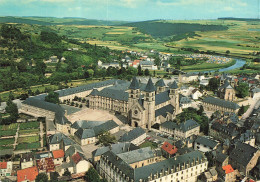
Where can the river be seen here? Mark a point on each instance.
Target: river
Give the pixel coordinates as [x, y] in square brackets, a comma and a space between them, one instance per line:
[239, 63]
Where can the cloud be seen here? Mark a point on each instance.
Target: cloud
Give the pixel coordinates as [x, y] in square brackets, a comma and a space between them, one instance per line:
[228, 8]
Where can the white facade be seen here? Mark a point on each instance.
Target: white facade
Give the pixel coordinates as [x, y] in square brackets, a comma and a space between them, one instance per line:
[139, 140]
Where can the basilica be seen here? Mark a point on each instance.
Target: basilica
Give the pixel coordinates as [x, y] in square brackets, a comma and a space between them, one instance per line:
[143, 104]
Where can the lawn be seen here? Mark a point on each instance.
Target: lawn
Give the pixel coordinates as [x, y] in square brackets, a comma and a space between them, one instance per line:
[149, 144]
[13, 126]
[29, 125]
[29, 139]
[31, 131]
[7, 141]
[7, 133]
[34, 145]
[6, 147]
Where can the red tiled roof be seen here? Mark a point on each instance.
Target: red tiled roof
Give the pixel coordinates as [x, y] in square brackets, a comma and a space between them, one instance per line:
[58, 154]
[27, 174]
[3, 165]
[228, 169]
[169, 148]
[76, 158]
[45, 164]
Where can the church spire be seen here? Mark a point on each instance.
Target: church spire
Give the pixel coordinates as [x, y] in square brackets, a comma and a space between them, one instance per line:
[134, 84]
[150, 86]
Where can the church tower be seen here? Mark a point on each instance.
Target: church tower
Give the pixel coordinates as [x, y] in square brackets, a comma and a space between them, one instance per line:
[160, 86]
[149, 103]
[174, 95]
[134, 92]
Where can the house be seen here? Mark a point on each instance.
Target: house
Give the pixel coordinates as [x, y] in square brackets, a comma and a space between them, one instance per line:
[135, 136]
[204, 82]
[27, 175]
[71, 151]
[185, 102]
[6, 168]
[27, 160]
[168, 150]
[148, 65]
[45, 165]
[117, 148]
[196, 94]
[89, 134]
[244, 157]
[229, 174]
[59, 141]
[205, 144]
[76, 164]
[58, 156]
[210, 176]
[255, 93]
[181, 131]
[223, 131]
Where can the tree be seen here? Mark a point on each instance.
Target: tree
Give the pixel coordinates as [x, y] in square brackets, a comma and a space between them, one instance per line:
[105, 138]
[140, 72]
[40, 67]
[67, 173]
[12, 109]
[92, 175]
[228, 52]
[52, 97]
[41, 177]
[146, 72]
[54, 176]
[241, 110]
[213, 84]
[242, 90]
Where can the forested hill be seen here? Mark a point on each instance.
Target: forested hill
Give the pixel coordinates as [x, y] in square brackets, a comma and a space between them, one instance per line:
[57, 21]
[164, 29]
[239, 19]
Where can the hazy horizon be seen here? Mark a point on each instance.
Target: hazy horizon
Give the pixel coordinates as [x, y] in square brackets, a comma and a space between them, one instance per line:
[132, 10]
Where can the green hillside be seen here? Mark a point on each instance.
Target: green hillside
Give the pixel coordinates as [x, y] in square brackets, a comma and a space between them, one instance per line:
[165, 29]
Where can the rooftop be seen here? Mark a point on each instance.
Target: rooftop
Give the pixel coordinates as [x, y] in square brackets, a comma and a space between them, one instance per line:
[221, 103]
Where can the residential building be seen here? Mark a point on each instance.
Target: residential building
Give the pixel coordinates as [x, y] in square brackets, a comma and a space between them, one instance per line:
[205, 144]
[135, 136]
[6, 168]
[229, 174]
[196, 94]
[244, 157]
[85, 136]
[181, 131]
[27, 175]
[59, 141]
[58, 156]
[168, 149]
[27, 160]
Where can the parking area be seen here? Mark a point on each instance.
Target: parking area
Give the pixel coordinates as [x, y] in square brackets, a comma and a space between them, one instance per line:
[88, 149]
[157, 137]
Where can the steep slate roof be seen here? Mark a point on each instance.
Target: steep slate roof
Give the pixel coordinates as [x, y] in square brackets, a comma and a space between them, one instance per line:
[137, 155]
[72, 150]
[59, 137]
[221, 103]
[115, 148]
[94, 92]
[242, 153]
[184, 100]
[28, 173]
[162, 97]
[164, 111]
[85, 133]
[150, 86]
[169, 124]
[206, 141]
[95, 130]
[174, 85]
[83, 88]
[57, 109]
[165, 165]
[134, 84]
[86, 124]
[188, 125]
[131, 135]
[114, 94]
[160, 83]
[220, 157]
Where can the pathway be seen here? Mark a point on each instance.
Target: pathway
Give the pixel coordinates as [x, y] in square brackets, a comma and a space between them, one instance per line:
[253, 103]
[16, 136]
[41, 133]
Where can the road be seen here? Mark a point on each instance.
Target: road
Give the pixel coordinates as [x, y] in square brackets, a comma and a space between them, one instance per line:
[252, 103]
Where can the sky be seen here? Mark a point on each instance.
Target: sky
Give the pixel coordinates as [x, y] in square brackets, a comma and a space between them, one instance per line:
[132, 10]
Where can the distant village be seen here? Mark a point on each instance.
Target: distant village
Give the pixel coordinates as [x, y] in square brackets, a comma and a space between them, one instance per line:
[138, 130]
